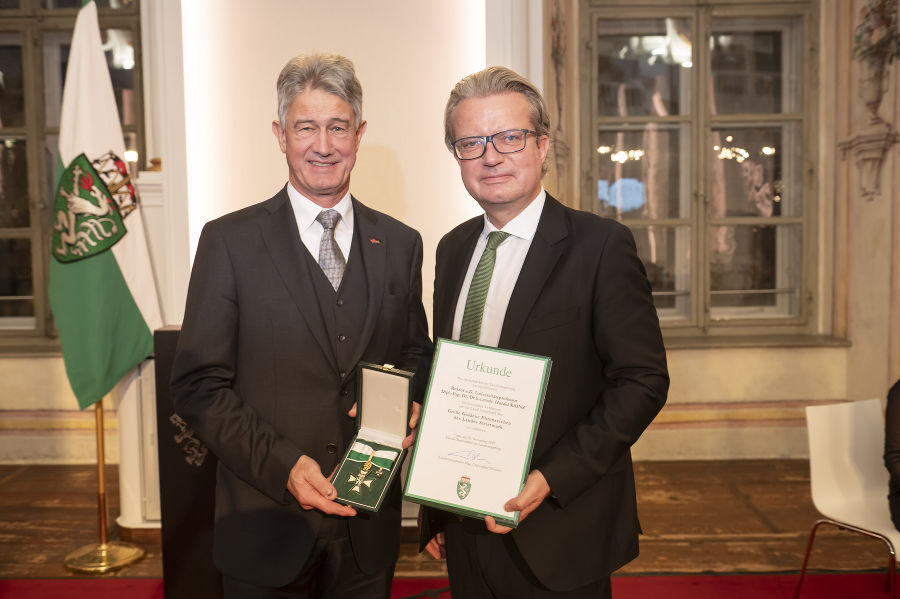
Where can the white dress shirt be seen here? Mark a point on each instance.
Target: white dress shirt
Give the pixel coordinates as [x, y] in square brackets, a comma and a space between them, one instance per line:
[510, 257]
[306, 211]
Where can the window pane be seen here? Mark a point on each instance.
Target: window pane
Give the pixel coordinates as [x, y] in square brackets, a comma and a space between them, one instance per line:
[755, 170]
[666, 254]
[119, 45]
[643, 67]
[75, 4]
[51, 158]
[643, 172]
[14, 210]
[56, 46]
[756, 65]
[12, 94]
[6, 4]
[16, 289]
[755, 271]
[131, 144]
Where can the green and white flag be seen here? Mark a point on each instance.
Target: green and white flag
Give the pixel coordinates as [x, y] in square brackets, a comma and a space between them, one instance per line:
[102, 290]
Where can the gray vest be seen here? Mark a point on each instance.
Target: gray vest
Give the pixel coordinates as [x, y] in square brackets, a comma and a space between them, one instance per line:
[343, 311]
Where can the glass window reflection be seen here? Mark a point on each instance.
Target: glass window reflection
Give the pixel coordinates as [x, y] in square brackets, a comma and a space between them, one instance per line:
[755, 271]
[643, 67]
[641, 171]
[16, 288]
[699, 127]
[118, 44]
[51, 162]
[14, 205]
[12, 94]
[756, 65]
[755, 171]
[665, 252]
[76, 4]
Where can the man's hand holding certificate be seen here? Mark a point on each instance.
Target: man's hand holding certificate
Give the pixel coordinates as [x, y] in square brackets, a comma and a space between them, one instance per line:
[475, 437]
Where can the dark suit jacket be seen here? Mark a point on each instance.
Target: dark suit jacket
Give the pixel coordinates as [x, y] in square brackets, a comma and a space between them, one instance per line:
[256, 378]
[583, 299]
[892, 450]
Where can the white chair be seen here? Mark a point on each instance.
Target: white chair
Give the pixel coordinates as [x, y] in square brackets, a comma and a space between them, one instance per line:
[848, 480]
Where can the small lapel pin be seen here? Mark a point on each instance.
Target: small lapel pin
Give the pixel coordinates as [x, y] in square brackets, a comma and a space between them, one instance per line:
[375, 241]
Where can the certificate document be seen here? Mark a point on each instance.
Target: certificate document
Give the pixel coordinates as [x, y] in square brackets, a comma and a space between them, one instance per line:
[481, 414]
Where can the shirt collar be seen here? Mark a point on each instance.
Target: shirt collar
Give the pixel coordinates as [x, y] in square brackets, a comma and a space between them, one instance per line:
[525, 224]
[306, 211]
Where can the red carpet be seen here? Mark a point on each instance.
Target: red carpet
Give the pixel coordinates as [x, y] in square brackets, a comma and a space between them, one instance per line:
[82, 588]
[768, 586]
[765, 586]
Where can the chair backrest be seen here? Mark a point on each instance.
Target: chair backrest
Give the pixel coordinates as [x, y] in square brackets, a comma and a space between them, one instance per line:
[846, 447]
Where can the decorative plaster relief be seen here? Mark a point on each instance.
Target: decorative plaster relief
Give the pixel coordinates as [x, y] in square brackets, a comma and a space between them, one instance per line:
[877, 43]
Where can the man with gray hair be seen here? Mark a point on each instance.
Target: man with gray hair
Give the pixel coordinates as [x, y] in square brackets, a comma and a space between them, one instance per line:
[561, 283]
[286, 297]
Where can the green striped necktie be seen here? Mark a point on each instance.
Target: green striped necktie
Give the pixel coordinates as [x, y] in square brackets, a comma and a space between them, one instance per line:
[470, 330]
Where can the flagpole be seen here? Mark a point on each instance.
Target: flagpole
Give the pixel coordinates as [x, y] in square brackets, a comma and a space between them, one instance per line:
[105, 556]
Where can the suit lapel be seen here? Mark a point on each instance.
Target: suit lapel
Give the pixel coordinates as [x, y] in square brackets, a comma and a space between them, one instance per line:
[373, 246]
[286, 250]
[548, 245]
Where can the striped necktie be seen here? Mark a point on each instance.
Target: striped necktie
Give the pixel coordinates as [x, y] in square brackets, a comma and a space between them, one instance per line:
[470, 330]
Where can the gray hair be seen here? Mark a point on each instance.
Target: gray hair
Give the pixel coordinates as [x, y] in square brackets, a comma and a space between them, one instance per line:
[491, 81]
[330, 73]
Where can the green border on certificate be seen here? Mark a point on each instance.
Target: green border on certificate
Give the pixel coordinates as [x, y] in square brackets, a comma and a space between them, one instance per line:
[477, 429]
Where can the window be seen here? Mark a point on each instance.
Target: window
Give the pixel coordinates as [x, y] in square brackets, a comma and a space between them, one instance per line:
[35, 36]
[696, 134]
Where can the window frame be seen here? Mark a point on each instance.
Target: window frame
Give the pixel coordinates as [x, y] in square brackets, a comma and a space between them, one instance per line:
[700, 327]
[33, 22]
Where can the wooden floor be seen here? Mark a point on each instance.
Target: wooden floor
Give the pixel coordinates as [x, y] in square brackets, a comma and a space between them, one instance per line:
[721, 516]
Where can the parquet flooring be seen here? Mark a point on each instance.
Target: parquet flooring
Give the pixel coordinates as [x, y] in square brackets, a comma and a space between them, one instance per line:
[710, 516]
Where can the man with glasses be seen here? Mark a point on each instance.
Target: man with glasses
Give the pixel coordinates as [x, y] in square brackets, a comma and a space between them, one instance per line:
[286, 297]
[565, 284]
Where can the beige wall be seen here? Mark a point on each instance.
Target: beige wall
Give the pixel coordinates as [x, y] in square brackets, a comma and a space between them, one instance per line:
[408, 55]
[39, 418]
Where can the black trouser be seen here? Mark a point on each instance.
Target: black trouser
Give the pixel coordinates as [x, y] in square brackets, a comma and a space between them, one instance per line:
[331, 572]
[489, 566]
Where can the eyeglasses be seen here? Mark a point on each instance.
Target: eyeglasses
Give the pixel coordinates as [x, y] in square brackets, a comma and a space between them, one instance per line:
[505, 142]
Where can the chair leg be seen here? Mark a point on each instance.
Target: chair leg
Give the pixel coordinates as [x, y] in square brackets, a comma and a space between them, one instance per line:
[812, 536]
